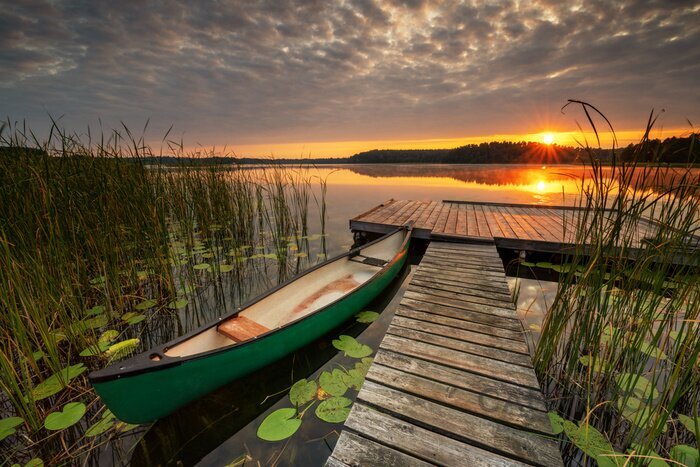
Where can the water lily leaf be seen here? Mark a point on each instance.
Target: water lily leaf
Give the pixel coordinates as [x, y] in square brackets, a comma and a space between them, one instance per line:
[637, 384]
[95, 310]
[354, 378]
[145, 305]
[108, 336]
[652, 351]
[301, 255]
[363, 366]
[333, 383]
[70, 415]
[544, 265]
[133, 317]
[57, 381]
[334, 410]
[351, 347]
[207, 255]
[590, 441]
[302, 392]
[123, 427]
[225, 268]
[367, 317]
[597, 365]
[185, 290]
[36, 462]
[95, 349]
[122, 349]
[8, 425]
[686, 455]
[279, 425]
[635, 411]
[689, 423]
[103, 424]
[38, 355]
[270, 256]
[202, 267]
[527, 264]
[177, 304]
[556, 421]
[95, 322]
[647, 457]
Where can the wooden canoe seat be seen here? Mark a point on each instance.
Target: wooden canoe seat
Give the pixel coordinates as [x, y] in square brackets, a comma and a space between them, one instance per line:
[241, 328]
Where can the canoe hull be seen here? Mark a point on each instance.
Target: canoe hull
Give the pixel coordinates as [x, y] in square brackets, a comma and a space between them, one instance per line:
[147, 396]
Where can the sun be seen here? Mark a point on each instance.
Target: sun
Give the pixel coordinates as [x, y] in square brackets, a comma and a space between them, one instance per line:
[547, 138]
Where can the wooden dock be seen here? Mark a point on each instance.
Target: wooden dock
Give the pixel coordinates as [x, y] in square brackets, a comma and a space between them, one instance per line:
[515, 226]
[452, 382]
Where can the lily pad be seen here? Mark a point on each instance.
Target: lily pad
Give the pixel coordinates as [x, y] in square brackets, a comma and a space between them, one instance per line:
[96, 322]
[302, 392]
[103, 424]
[689, 423]
[544, 265]
[354, 378]
[597, 365]
[333, 383]
[301, 255]
[279, 425]
[686, 455]
[652, 351]
[202, 267]
[95, 349]
[591, 441]
[367, 317]
[95, 310]
[637, 384]
[177, 304]
[8, 425]
[556, 421]
[635, 411]
[36, 462]
[70, 415]
[57, 381]
[334, 410]
[133, 317]
[145, 305]
[351, 347]
[225, 268]
[527, 264]
[38, 355]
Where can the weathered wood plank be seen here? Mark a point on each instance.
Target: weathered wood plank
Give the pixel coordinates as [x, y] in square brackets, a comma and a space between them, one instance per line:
[461, 296]
[352, 449]
[505, 440]
[515, 394]
[419, 442]
[501, 295]
[494, 284]
[481, 365]
[496, 410]
[492, 321]
[429, 334]
[461, 304]
[431, 261]
[504, 339]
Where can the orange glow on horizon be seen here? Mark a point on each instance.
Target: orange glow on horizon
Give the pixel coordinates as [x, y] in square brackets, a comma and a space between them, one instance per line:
[326, 149]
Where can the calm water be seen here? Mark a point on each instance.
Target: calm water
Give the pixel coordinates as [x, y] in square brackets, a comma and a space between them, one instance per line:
[221, 428]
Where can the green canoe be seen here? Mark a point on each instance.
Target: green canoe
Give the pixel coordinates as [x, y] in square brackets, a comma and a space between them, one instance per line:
[153, 384]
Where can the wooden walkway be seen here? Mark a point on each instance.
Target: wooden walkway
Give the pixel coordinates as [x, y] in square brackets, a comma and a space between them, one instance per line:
[452, 382]
[517, 226]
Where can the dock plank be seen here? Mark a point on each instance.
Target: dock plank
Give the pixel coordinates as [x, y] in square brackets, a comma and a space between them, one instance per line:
[452, 382]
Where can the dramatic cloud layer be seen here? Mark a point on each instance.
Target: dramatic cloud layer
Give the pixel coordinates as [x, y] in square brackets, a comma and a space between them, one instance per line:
[282, 71]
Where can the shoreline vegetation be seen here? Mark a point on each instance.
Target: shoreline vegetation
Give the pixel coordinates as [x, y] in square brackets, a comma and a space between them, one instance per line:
[618, 353]
[675, 151]
[101, 258]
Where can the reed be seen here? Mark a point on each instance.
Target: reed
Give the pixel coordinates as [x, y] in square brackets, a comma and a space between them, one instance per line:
[618, 355]
[104, 253]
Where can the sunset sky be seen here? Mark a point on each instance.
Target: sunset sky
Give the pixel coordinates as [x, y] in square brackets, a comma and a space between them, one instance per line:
[331, 78]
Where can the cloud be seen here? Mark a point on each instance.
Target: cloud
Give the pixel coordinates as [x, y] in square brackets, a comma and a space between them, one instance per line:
[279, 70]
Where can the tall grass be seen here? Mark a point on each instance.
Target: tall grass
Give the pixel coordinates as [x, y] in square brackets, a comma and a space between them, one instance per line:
[618, 355]
[93, 238]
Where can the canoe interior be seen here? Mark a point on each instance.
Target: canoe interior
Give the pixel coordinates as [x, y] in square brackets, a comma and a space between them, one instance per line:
[299, 298]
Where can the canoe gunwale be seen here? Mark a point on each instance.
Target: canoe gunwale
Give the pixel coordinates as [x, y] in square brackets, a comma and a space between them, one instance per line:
[142, 363]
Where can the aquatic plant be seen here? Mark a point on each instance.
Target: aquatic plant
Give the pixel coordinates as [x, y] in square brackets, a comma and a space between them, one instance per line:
[618, 354]
[104, 252]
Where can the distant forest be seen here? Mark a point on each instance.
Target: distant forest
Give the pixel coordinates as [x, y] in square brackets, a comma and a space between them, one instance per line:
[669, 151]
